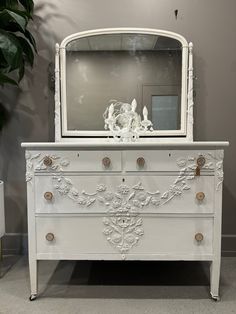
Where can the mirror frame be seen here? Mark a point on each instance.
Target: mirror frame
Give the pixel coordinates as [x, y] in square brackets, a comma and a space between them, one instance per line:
[61, 130]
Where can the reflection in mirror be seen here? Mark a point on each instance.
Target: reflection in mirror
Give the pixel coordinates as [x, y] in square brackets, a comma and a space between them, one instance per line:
[105, 68]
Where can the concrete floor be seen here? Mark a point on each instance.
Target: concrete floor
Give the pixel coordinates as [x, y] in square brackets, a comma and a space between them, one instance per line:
[118, 287]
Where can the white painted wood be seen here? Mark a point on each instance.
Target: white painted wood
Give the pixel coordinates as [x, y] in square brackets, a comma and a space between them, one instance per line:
[62, 84]
[57, 96]
[92, 161]
[76, 160]
[112, 145]
[167, 160]
[96, 194]
[2, 210]
[118, 257]
[215, 264]
[32, 236]
[124, 211]
[84, 235]
[162, 226]
[190, 119]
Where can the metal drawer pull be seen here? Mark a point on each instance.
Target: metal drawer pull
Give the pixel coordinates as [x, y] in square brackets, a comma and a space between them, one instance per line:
[49, 237]
[106, 162]
[48, 196]
[199, 237]
[200, 196]
[140, 162]
[201, 161]
[47, 161]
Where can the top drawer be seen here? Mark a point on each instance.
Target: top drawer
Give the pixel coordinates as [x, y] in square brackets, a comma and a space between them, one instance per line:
[168, 160]
[83, 161]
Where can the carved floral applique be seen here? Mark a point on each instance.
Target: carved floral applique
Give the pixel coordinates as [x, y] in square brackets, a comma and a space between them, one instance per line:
[123, 224]
[32, 160]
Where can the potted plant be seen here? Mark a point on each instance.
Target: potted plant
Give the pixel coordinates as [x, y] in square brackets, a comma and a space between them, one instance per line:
[17, 48]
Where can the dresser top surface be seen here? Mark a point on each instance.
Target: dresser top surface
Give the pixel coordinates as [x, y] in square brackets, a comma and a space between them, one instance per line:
[120, 145]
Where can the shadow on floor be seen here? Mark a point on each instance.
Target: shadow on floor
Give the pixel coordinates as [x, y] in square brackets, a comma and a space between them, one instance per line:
[130, 279]
[7, 262]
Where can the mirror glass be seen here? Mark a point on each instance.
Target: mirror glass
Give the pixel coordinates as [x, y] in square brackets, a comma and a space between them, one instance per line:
[106, 68]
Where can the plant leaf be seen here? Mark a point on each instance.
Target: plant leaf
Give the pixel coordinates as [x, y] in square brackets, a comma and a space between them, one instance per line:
[11, 49]
[7, 17]
[21, 70]
[28, 5]
[31, 39]
[28, 52]
[11, 4]
[5, 79]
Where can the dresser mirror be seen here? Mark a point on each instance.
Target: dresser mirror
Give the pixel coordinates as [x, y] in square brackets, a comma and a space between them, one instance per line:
[101, 67]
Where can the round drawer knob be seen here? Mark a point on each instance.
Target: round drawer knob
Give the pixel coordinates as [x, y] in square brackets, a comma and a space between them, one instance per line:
[47, 161]
[140, 162]
[199, 237]
[49, 236]
[48, 196]
[201, 161]
[200, 196]
[106, 162]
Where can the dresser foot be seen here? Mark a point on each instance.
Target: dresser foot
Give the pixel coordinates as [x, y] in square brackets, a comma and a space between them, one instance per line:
[33, 297]
[215, 297]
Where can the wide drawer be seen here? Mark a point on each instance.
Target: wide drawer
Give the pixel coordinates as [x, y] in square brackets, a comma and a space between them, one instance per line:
[82, 161]
[167, 160]
[89, 238]
[129, 194]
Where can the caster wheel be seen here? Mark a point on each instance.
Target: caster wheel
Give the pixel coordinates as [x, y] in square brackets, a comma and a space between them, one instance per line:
[216, 299]
[33, 297]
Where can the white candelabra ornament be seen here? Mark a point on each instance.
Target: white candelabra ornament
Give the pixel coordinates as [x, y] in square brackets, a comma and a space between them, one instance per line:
[125, 123]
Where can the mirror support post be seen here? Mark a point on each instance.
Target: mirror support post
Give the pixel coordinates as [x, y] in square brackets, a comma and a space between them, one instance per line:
[190, 119]
[57, 119]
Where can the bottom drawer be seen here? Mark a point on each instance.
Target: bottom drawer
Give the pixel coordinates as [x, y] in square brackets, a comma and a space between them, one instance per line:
[146, 237]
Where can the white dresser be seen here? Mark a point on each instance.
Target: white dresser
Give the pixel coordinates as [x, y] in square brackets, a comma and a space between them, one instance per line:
[95, 197]
[129, 202]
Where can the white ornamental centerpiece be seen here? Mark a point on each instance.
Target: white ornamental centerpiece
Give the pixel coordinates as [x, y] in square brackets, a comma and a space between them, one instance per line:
[125, 123]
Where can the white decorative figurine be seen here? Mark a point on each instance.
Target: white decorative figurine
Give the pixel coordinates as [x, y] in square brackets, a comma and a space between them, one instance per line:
[125, 123]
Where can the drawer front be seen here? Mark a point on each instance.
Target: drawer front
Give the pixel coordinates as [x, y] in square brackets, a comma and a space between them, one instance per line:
[85, 237]
[129, 194]
[167, 160]
[83, 161]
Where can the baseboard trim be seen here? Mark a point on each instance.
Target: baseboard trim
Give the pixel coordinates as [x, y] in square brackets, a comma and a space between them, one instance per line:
[229, 245]
[15, 244]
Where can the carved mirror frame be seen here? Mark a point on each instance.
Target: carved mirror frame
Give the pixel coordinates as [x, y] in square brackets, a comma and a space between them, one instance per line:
[186, 129]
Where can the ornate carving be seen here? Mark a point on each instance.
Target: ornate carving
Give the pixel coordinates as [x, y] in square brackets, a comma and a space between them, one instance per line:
[30, 165]
[123, 232]
[58, 163]
[219, 169]
[123, 225]
[57, 119]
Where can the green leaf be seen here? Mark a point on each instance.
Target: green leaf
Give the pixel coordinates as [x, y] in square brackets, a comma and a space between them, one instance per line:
[5, 79]
[7, 17]
[28, 5]
[17, 44]
[21, 70]
[31, 39]
[28, 52]
[11, 4]
[10, 49]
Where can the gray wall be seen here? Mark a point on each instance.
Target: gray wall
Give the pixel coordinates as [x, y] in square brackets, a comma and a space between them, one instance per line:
[209, 24]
